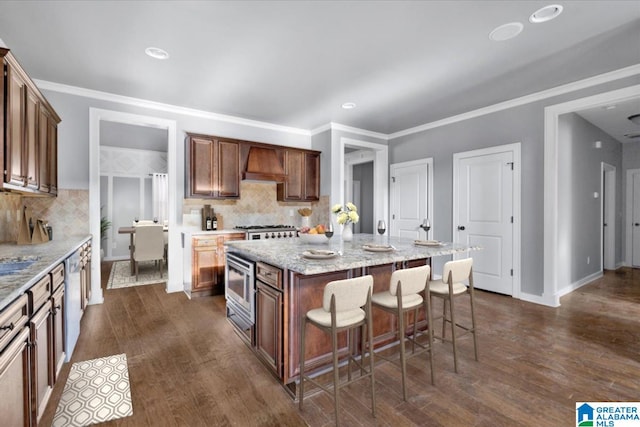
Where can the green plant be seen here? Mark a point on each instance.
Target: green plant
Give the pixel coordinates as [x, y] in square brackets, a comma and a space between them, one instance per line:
[105, 224]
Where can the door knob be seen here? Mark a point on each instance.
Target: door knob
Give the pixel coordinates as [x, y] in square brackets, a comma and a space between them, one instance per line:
[461, 227]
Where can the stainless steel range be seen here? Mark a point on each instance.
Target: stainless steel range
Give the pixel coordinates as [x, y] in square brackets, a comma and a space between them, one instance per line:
[258, 232]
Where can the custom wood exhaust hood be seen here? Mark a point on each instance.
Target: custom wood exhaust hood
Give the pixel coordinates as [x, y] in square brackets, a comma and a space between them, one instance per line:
[263, 164]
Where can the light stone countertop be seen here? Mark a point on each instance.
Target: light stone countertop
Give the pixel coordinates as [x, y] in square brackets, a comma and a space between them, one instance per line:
[287, 253]
[49, 254]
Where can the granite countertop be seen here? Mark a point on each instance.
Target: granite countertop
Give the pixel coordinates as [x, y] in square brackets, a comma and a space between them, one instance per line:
[287, 253]
[48, 254]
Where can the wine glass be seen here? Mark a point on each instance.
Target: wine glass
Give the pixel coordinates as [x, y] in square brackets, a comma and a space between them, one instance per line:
[328, 231]
[382, 227]
[136, 219]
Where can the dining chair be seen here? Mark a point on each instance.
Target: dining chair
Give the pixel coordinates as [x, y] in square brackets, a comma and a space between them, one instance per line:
[346, 305]
[403, 297]
[148, 245]
[454, 273]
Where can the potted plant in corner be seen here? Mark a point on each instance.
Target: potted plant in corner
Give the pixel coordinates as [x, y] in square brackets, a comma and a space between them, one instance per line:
[105, 224]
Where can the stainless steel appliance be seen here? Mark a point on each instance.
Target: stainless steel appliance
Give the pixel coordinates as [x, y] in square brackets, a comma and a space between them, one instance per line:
[257, 232]
[239, 294]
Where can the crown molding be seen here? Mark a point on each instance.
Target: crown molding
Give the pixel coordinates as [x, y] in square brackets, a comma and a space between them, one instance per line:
[345, 128]
[527, 99]
[516, 102]
[143, 103]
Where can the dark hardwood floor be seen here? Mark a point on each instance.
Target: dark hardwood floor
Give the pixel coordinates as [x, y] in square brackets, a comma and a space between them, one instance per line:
[188, 368]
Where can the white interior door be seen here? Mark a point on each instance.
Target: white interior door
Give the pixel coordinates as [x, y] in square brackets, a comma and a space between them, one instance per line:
[483, 193]
[635, 261]
[608, 216]
[410, 198]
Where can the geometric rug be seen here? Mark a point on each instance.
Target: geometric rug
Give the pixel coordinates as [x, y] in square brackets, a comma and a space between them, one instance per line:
[148, 273]
[96, 391]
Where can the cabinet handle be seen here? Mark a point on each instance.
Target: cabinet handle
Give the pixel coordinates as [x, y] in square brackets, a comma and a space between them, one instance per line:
[10, 327]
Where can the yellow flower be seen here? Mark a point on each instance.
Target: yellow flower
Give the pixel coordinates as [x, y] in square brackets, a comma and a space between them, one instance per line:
[353, 216]
[352, 207]
[336, 208]
[343, 217]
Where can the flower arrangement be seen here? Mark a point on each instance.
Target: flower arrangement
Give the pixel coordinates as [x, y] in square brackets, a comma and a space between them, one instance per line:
[347, 214]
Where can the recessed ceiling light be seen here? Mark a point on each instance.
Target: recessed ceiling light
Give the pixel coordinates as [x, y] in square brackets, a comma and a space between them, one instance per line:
[156, 52]
[506, 31]
[349, 105]
[545, 14]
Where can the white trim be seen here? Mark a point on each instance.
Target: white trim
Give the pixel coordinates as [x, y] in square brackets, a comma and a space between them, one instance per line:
[629, 216]
[428, 163]
[605, 198]
[580, 283]
[345, 128]
[534, 97]
[380, 175]
[554, 258]
[537, 299]
[96, 115]
[527, 99]
[515, 148]
[159, 106]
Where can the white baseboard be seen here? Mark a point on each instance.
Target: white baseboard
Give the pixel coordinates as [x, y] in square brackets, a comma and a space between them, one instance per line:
[575, 285]
[539, 299]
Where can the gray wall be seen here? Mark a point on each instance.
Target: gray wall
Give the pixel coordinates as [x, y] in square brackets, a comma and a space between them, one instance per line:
[630, 160]
[581, 213]
[364, 173]
[322, 142]
[524, 124]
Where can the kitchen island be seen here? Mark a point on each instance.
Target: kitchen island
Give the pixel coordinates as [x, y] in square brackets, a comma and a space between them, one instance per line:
[287, 285]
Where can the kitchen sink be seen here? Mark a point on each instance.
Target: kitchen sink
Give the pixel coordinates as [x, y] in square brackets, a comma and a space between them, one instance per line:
[13, 265]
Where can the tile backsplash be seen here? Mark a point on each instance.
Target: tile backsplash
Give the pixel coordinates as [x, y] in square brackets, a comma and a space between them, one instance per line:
[67, 214]
[259, 205]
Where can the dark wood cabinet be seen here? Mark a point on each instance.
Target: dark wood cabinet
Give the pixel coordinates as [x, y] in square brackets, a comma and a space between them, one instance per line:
[57, 310]
[29, 133]
[41, 329]
[213, 169]
[269, 316]
[15, 378]
[208, 263]
[85, 275]
[303, 176]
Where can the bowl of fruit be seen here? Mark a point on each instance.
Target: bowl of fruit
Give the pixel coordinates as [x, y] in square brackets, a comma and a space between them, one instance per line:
[314, 235]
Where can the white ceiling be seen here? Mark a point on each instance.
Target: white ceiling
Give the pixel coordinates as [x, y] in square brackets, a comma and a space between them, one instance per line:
[294, 63]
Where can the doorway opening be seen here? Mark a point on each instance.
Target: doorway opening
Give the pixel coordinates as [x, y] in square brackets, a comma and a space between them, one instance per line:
[608, 220]
[97, 119]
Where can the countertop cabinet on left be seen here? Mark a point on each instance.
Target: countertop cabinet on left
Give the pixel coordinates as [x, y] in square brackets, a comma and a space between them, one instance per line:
[208, 263]
[29, 133]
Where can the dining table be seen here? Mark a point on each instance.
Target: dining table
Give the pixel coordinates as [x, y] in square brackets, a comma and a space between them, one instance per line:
[131, 231]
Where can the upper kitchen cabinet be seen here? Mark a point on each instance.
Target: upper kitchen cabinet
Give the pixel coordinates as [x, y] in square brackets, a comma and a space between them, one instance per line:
[213, 167]
[303, 176]
[29, 133]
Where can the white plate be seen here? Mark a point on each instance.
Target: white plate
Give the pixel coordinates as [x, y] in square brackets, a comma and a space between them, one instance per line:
[428, 243]
[319, 254]
[378, 248]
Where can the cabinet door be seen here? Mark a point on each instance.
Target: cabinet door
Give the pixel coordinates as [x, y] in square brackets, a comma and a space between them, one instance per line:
[42, 346]
[57, 302]
[293, 187]
[52, 136]
[15, 143]
[14, 382]
[43, 151]
[311, 176]
[205, 268]
[30, 154]
[228, 170]
[269, 326]
[201, 167]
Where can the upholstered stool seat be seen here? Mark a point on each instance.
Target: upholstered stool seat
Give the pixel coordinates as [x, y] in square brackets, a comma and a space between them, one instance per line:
[402, 297]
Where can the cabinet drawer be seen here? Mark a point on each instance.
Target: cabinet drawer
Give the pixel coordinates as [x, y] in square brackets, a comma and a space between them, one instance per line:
[270, 275]
[13, 319]
[57, 277]
[39, 293]
[205, 241]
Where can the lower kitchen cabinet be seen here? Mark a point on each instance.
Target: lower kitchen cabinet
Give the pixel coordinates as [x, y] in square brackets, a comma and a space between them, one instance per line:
[57, 311]
[208, 262]
[15, 401]
[85, 275]
[41, 329]
[269, 304]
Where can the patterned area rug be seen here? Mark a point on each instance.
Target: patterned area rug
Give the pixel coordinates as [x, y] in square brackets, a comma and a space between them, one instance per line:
[148, 274]
[96, 391]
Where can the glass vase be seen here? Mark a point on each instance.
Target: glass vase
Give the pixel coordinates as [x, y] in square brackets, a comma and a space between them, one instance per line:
[347, 232]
